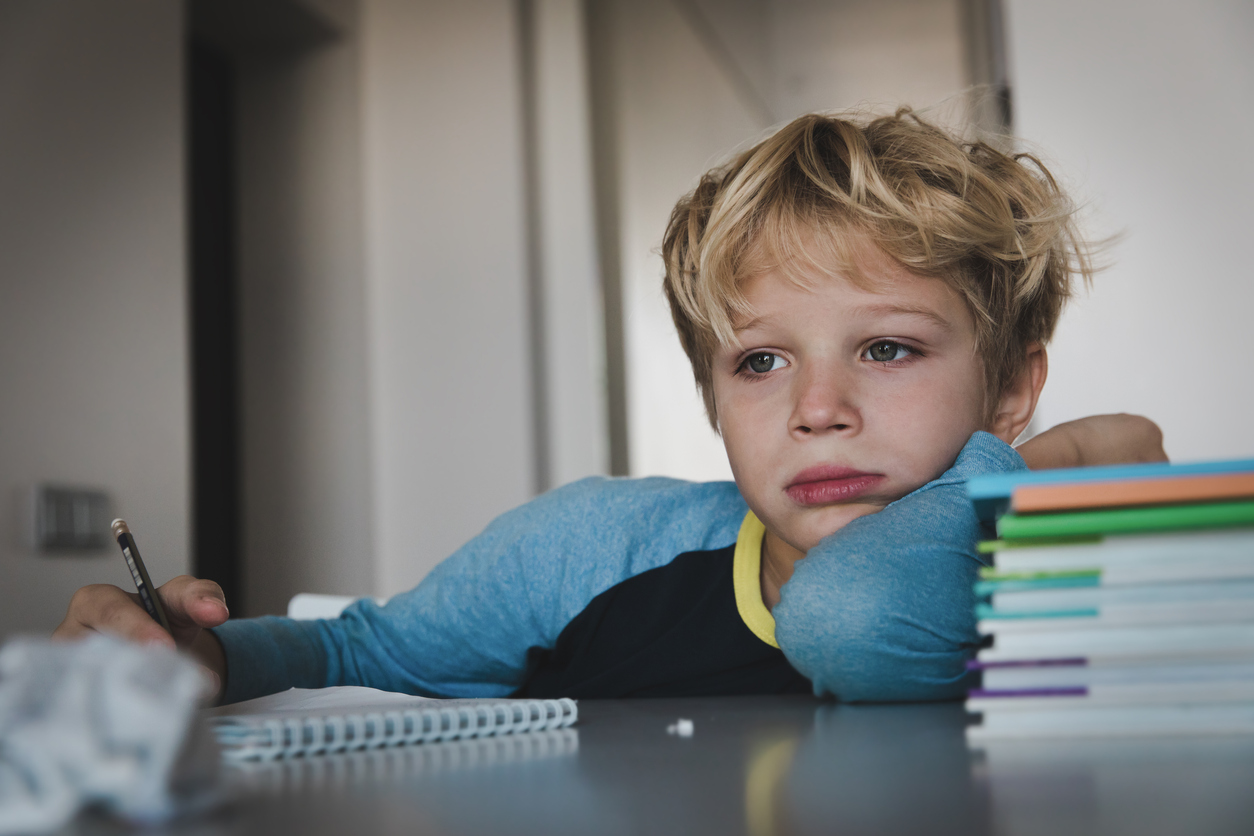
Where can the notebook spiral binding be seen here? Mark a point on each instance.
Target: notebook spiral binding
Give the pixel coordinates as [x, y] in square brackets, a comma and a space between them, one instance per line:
[269, 738]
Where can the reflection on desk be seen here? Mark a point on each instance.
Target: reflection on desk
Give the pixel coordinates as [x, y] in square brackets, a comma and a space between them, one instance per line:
[760, 766]
[377, 768]
[1196, 785]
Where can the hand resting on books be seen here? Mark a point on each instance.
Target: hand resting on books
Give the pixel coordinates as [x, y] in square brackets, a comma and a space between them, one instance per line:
[1095, 440]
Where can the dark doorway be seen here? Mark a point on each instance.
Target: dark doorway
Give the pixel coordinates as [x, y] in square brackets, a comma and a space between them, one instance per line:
[215, 390]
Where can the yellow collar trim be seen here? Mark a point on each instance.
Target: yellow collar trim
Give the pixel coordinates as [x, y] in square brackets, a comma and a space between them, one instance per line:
[747, 578]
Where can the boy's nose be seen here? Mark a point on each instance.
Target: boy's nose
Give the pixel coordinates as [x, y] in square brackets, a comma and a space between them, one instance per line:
[826, 401]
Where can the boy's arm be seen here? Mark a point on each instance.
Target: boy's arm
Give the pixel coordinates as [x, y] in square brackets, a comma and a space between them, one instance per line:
[882, 610]
[468, 630]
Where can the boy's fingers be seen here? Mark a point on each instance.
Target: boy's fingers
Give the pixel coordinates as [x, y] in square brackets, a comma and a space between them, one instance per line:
[130, 620]
[194, 602]
[208, 609]
[107, 609]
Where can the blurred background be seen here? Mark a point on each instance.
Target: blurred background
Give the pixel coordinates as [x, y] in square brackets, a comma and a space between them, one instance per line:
[310, 290]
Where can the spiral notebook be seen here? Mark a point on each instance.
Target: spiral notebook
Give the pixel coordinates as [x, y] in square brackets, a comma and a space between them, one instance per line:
[303, 722]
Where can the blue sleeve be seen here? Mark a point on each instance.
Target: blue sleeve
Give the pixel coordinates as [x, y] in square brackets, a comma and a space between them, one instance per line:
[466, 630]
[884, 609]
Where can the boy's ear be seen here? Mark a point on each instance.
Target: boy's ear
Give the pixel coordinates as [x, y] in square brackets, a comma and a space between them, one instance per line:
[1018, 402]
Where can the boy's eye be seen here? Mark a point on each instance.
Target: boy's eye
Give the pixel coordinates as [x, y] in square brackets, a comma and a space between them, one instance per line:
[764, 361]
[885, 351]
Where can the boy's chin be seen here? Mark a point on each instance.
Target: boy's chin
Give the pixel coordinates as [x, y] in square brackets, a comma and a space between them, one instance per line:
[817, 523]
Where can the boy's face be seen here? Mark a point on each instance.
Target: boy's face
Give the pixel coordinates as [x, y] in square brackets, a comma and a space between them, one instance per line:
[844, 399]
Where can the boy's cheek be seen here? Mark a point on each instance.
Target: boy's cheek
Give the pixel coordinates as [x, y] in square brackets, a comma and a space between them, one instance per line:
[934, 443]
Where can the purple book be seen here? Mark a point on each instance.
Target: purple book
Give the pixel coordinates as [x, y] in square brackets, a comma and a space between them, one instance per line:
[1074, 662]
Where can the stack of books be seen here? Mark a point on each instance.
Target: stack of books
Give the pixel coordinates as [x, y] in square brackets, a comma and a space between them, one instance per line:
[1120, 601]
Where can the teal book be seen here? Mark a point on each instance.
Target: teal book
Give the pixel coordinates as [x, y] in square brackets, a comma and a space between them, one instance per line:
[1067, 580]
[991, 494]
[1126, 520]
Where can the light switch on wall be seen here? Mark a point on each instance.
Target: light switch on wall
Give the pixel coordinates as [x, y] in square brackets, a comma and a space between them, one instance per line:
[65, 519]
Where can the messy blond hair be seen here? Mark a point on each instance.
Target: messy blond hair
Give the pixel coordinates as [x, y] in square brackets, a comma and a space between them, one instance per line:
[995, 227]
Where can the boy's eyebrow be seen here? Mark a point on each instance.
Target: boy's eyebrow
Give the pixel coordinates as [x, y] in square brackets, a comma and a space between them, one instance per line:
[737, 327]
[909, 310]
[865, 310]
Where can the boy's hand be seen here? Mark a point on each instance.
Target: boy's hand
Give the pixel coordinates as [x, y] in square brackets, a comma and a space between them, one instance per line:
[1098, 439]
[190, 605]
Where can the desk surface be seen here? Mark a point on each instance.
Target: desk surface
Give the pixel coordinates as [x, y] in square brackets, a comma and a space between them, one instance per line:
[756, 766]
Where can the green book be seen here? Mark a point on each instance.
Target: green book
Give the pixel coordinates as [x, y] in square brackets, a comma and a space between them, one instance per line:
[1126, 520]
[994, 546]
[990, 573]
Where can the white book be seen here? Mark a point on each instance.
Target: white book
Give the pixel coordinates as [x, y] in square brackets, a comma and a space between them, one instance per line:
[1234, 548]
[1123, 642]
[1132, 573]
[1116, 721]
[1116, 615]
[327, 720]
[1094, 597]
[1174, 693]
[1030, 677]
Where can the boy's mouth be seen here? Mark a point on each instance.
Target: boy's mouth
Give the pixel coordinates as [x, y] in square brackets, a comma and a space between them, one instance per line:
[830, 483]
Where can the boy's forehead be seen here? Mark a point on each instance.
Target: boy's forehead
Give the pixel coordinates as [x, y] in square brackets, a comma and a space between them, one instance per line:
[884, 288]
[808, 252]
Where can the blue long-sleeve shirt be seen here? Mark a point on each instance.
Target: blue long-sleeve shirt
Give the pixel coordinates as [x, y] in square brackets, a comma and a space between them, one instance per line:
[621, 587]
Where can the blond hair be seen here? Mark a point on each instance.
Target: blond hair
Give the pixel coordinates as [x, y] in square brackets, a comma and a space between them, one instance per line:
[995, 227]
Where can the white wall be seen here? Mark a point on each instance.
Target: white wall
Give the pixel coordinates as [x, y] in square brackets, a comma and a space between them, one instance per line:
[449, 354]
[678, 113]
[877, 53]
[1145, 109]
[93, 337]
[388, 398]
[694, 81]
[388, 366]
[571, 321]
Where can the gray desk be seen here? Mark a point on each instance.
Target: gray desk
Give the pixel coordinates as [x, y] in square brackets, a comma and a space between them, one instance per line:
[754, 766]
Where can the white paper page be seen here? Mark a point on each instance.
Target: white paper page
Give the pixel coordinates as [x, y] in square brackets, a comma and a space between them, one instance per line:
[341, 699]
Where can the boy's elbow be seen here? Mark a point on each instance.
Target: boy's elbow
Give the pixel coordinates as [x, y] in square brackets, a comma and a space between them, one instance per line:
[872, 649]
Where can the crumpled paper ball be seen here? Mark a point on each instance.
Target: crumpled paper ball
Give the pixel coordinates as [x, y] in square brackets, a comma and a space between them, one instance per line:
[100, 722]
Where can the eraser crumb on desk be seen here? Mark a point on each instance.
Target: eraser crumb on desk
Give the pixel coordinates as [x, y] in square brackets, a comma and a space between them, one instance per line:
[682, 727]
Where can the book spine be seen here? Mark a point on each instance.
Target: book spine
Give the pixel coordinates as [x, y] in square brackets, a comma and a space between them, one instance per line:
[990, 495]
[1029, 499]
[1058, 560]
[1157, 642]
[1002, 485]
[1214, 515]
[1062, 621]
[1087, 676]
[1116, 721]
[1152, 572]
[1069, 699]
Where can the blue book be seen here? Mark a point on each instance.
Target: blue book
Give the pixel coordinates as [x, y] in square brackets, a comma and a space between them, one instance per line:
[991, 494]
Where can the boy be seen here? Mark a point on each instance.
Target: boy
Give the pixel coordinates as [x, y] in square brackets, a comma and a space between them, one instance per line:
[865, 307]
